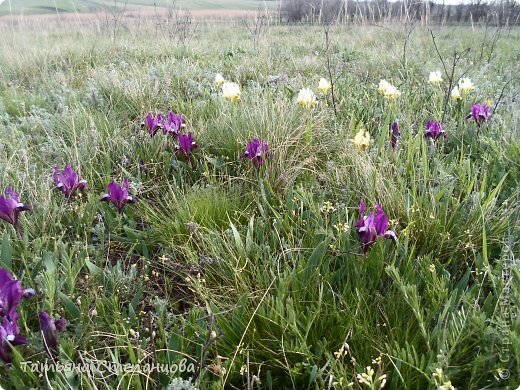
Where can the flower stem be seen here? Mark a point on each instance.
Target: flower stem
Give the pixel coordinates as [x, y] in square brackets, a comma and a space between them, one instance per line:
[308, 134]
[18, 231]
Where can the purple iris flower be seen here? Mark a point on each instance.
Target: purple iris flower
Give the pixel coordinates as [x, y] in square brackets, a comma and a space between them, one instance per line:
[395, 133]
[10, 206]
[152, 124]
[68, 181]
[371, 226]
[50, 329]
[186, 145]
[172, 124]
[434, 130]
[9, 334]
[11, 293]
[256, 151]
[118, 195]
[480, 113]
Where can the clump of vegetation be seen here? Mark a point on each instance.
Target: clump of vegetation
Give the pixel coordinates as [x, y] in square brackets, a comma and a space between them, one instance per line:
[241, 243]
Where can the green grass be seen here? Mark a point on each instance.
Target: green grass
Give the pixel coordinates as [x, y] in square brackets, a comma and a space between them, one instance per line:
[258, 272]
[226, 4]
[36, 7]
[28, 7]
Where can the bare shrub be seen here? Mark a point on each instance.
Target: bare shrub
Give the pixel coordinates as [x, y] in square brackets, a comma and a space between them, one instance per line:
[256, 24]
[178, 25]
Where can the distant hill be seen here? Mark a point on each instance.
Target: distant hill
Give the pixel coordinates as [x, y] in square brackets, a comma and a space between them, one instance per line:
[34, 7]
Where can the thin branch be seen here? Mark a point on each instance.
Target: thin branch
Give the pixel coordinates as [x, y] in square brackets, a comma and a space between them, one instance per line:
[501, 95]
[205, 348]
[457, 56]
[438, 53]
[405, 45]
[329, 70]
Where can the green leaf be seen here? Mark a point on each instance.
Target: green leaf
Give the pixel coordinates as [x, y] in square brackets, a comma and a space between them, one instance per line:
[315, 260]
[133, 305]
[214, 161]
[70, 307]
[178, 164]
[424, 154]
[49, 263]
[269, 380]
[7, 254]
[93, 269]
[24, 372]
[485, 258]
[131, 354]
[173, 347]
[36, 269]
[312, 376]
[238, 241]
[144, 250]
[249, 235]
[289, 201]
[462, 284]
[135, 382]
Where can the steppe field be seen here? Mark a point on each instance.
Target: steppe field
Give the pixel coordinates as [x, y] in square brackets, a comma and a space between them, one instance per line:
[207, 202]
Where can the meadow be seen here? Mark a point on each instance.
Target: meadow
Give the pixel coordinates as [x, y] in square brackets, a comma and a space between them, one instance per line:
[259, 270]
[36, 7]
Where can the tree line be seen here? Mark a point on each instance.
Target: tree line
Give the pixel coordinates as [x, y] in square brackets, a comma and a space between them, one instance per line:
[500, 12]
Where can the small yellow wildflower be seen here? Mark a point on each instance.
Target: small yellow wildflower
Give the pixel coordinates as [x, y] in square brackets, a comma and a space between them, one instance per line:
[366, 378]
[219, 80]
[362, 139]
[435, 78]
[344, 227]
[306, 98]
[383, 86]
[327, 207]
[377, 360]
[466, 86]
[231, 91]
[392, 93]
[388, 90]
[441, 381]
[324, 86]
[343, 351]
[455, 93]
